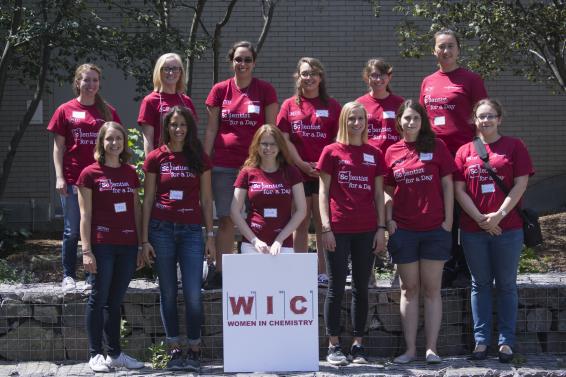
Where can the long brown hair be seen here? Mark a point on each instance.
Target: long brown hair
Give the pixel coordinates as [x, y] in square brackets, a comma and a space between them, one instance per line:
[380, 65]
[283, 157]
[126, 154]
[426, 139]
[192, 147]
[99, 102]
[317, 67]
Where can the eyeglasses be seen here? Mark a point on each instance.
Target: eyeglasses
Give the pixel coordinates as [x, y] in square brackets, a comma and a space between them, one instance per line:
[307, 74]
[247, 59]
[377, 76]
[268, 145]
[487, 117]
[171, 69]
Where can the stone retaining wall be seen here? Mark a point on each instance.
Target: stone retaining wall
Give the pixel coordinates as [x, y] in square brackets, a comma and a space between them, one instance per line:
[40, 323]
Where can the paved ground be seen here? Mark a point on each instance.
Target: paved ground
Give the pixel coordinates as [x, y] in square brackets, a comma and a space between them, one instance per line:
[531, 365]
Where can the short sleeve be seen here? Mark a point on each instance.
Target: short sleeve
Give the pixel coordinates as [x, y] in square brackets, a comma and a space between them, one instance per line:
[242, 179]
[295, 175]
[190, 105]
[380, 168]
[522, 164]
[147, 112]
[460, 162]
[337, 108]
[115, 116]
[283, 117]
[151, 163]
[388, 179]
[216, 95]
[57, 122]
[326, 161]
[478, 89]
[135, 177]
[86, 179]
[269, 94]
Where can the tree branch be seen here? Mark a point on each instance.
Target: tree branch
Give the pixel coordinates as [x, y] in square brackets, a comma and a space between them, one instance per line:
[9, 47]
[216, 40]
[192, 41]
[268, 7]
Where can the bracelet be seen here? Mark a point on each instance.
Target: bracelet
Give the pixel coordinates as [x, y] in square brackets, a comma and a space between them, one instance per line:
[388, 221]
[145, 243]
[210, 234]
[87, 251]
[382, 227]
[503, 212]
[326, 231]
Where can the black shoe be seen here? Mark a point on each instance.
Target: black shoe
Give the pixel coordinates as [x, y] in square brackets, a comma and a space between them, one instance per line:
[479, 355]
[358, 355]
[336, 356]
[192, 361]
[506, 358]
[176, 361]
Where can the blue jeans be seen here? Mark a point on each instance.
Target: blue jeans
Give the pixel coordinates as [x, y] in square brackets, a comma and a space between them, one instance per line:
[182, 243]
[494, 257]
[71, 231]
[115, 266]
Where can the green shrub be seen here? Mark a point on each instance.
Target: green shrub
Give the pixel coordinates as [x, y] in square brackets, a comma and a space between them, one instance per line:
[159, 356]
[530, 262]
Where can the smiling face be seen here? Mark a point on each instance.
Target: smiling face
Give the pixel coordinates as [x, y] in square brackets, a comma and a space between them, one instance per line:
[378, 81]
[446, 51]
[410, 124]
[177, 129]
[356, 123]
[171, 72]
[309, 80]
[243, 62]
[487, 121]
[89, 83]
[268, 148]
[113, 142]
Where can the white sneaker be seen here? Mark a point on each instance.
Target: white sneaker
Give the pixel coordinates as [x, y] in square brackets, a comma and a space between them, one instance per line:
[68, 284]
[87, 286]
[124, 361]
[98, 364]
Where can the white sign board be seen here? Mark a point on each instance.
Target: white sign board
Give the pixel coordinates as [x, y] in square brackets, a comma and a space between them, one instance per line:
[270, 312]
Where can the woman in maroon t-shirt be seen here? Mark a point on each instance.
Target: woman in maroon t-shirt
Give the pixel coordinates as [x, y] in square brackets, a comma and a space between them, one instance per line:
[110, 225]
[273, 186]
[236, 107]
[309, 122]
[177, 201]
[492, 229]
[168, 91]
[75, 126]
[353, 224]
[419, 205]
[380, 103]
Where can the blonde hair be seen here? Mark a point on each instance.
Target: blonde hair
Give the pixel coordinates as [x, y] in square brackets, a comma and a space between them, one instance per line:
[343, 136]
[254, 159]
[157, 83]
[99, 102]
[126, 154]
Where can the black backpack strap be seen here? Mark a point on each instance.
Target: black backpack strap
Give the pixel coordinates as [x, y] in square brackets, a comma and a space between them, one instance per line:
[482, 153]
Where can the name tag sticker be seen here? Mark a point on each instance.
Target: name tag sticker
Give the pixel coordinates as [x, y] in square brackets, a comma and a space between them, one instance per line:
[79, 114]
[487, 188]
[269, 212]
[175, 194]
[369, 158]
[425, 156]
[322, 113]
[389, 115]
[253, 109]
[440, 121]
[120, 207]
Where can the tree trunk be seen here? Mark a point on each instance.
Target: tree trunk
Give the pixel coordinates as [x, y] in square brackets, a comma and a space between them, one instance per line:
[216, 40]
[192, 41]
[268, 7]
[24, 123]
[9, 47]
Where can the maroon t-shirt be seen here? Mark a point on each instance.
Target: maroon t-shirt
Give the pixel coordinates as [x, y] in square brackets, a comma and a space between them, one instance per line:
[154, 107]
[311, 125]
[352, 169]
[509, 159]
[271, 198]
[449, 98]
[242, 112]
[418, 200]
[113, 217]
[79, 124]
[177, 195]
[381, 119]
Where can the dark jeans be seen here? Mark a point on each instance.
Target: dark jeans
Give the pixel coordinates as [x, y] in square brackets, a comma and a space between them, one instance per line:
[71, 234]
[115, 266]
[359, 246]
[182, 243]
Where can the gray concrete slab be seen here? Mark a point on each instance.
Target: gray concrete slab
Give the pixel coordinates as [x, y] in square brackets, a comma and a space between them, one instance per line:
[531, 365]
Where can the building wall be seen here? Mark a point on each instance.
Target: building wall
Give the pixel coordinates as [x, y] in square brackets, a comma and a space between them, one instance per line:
[343, 34]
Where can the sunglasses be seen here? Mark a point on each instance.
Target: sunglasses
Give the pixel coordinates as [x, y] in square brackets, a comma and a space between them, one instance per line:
[247, 59]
